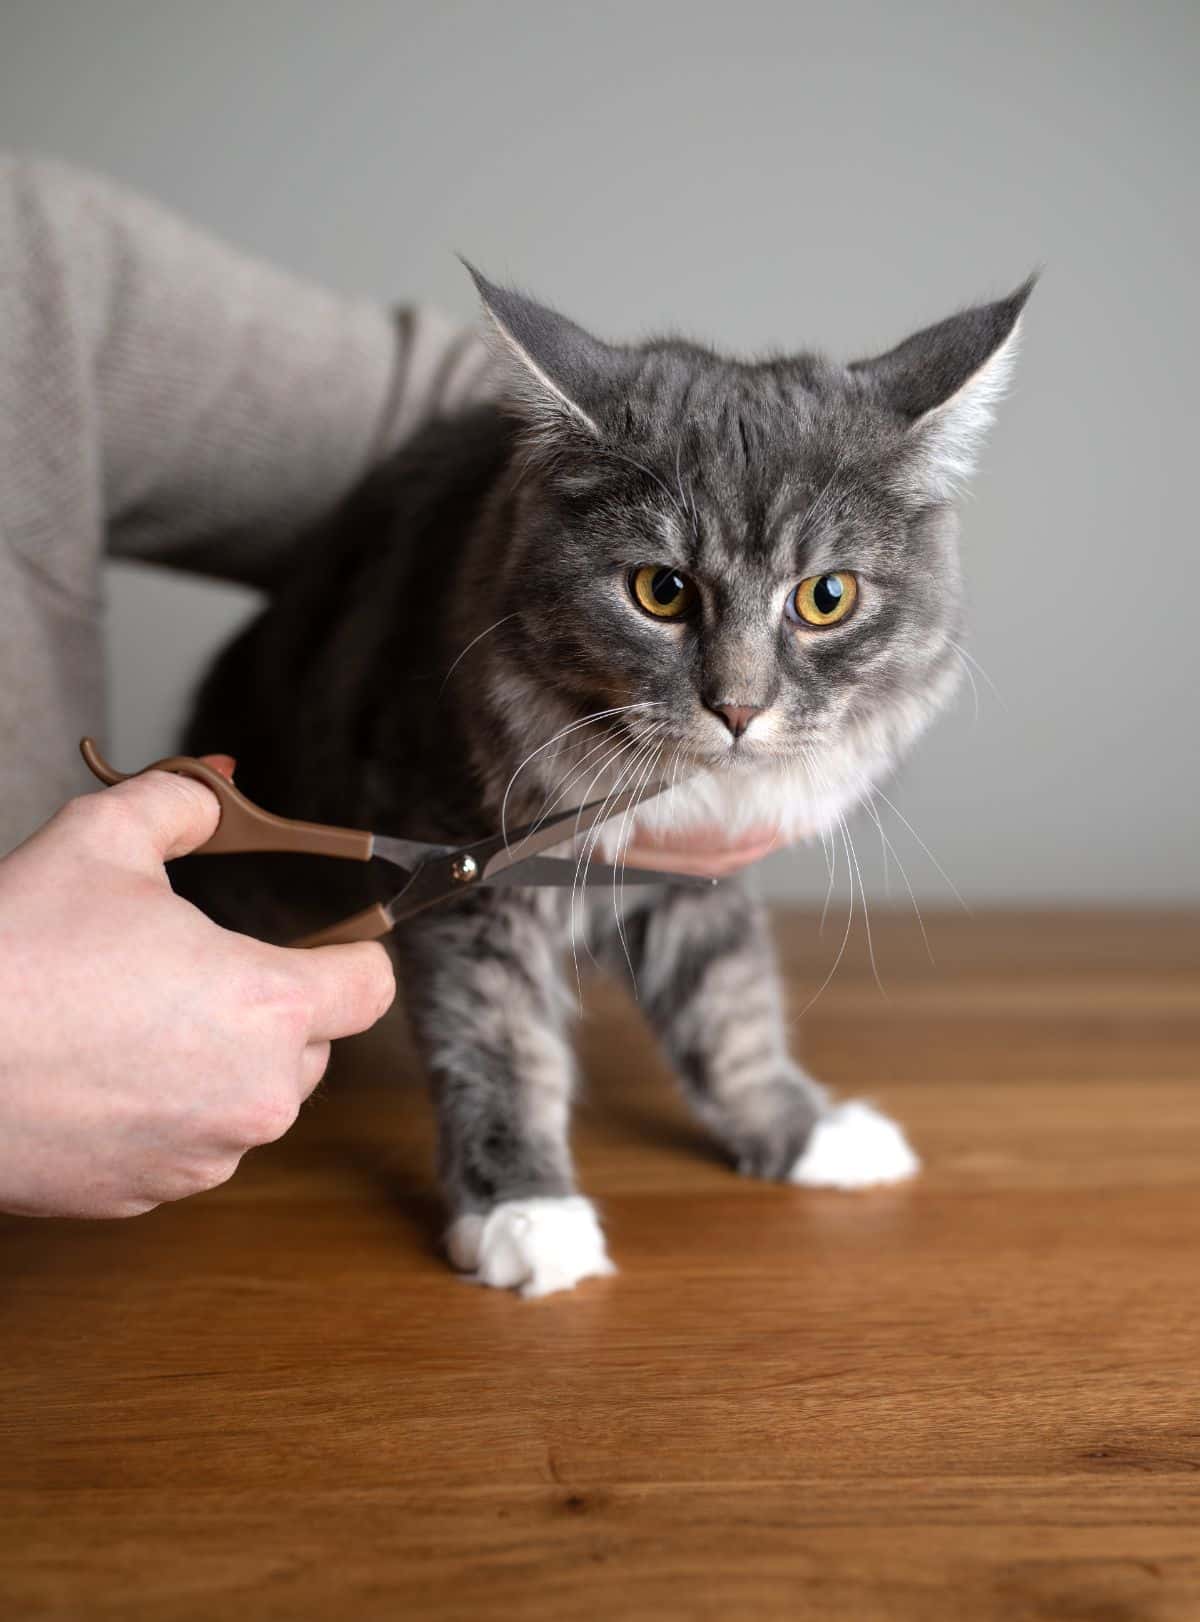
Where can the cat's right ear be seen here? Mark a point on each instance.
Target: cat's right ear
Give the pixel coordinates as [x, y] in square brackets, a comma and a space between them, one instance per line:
[557, 373]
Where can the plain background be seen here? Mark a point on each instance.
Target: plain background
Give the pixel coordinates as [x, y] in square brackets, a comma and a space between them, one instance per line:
[758, 175]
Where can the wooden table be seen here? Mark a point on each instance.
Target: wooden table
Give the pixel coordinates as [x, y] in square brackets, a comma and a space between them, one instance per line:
[976, 1397]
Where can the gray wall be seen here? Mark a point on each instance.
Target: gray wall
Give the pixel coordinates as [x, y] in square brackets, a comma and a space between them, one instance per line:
[758, 174]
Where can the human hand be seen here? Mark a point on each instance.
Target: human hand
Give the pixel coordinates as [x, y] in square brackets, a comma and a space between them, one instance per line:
[144, 1050]
[709, 853]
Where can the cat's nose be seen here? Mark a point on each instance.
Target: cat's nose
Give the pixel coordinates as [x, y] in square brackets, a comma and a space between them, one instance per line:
[737, 717]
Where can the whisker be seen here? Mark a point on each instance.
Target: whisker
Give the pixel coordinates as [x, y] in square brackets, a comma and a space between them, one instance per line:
[970, 675]
[871, 809]
[828, 847]
[622, 748]
[676, 763]
[689, 499]
[845, 938]
[886, 848]
[590, 840]
[645, 744]
[971, 659]
[866, 909]
[502, 621]
[608, 450]
[810, 516]
[563, 788]
[615, 755]
[831, 864]
[588, 720]
[678, 480]
[620, 859]
[949, 881]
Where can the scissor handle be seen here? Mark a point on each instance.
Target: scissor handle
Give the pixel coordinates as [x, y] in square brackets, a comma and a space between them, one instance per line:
[371, 924]
[244, 826]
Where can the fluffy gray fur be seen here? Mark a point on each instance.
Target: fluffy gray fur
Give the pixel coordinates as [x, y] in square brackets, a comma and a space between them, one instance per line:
[462, 646]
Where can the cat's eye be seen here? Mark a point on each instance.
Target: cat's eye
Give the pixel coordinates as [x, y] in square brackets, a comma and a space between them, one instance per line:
[823, 599]
[663, 591]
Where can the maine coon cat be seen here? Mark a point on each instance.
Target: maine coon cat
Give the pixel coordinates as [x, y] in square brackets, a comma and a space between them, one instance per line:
[643, 560]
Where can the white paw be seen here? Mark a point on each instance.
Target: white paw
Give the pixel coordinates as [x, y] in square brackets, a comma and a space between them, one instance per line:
[539, 1245]
[854, 1146]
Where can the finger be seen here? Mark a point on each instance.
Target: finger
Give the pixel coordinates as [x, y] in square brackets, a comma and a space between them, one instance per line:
[348, 987]
[709, 862]
[225, 764]
[313, 1063]
[161, 815]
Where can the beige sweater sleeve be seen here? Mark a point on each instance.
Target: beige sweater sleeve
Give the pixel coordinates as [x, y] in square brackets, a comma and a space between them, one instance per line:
[164, 397]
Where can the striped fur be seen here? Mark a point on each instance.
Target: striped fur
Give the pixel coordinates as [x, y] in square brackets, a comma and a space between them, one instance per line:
[460, 648]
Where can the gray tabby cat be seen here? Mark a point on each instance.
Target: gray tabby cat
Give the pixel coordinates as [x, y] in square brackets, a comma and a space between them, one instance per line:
[646, 560]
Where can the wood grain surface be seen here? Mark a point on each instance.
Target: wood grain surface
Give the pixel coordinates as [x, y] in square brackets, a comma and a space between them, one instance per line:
[976, 1397]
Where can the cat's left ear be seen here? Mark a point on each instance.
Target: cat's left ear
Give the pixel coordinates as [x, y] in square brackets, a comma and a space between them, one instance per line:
[558, 374]
[945, 381]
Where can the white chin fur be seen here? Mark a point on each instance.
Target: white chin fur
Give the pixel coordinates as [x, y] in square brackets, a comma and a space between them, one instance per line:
[778, 795]
[773, 795]
[854, 1146]
[537, 1245]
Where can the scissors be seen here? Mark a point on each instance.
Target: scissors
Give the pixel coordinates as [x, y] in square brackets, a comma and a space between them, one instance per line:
[432, 874]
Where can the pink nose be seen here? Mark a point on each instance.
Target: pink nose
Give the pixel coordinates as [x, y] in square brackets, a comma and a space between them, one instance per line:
[737, 717]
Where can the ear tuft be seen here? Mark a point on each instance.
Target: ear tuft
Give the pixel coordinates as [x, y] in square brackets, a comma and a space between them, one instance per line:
[557, 372]
[945, 381]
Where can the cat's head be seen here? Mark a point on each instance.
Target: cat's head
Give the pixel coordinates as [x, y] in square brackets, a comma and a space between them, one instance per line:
[758, 558]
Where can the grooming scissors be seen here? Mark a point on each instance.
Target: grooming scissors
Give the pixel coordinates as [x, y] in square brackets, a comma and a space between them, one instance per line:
[432, 873]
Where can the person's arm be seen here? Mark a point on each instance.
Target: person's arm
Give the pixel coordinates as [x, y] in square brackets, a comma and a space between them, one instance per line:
[215, 405]
[165, 398]
[144, 1049]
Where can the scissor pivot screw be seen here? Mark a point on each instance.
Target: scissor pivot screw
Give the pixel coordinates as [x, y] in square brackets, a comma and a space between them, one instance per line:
[465, 869]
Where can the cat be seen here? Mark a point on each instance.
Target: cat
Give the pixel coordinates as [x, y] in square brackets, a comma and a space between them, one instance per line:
[641, 560]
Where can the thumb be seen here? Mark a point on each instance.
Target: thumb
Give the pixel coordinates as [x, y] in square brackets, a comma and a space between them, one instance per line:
[161, 815]
[347, 988]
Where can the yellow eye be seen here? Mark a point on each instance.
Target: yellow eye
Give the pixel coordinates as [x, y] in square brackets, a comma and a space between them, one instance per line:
[824, 599]
[663, 591]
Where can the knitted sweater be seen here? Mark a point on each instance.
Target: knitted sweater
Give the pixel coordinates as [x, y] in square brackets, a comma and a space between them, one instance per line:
[163, 397]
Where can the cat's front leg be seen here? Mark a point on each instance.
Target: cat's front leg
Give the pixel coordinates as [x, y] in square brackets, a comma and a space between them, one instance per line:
[706, 978]
[486, 998]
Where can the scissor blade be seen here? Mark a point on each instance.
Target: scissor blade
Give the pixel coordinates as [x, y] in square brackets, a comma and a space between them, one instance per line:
[405, 853]
[560, 873]
[503, 851]
[438, 880]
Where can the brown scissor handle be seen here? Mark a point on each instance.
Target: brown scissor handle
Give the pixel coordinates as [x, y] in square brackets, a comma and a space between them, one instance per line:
[244, 826]
[371, 924]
